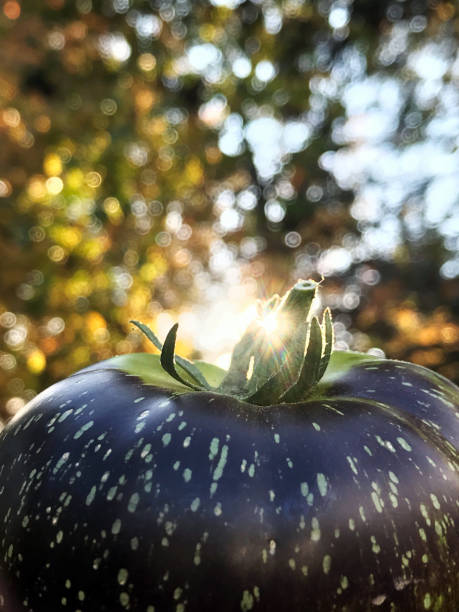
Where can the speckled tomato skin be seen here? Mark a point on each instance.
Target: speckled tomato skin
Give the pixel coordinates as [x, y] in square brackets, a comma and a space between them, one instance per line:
[116, 495]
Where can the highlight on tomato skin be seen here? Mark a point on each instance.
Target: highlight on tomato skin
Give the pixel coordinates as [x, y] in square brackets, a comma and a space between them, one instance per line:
[300, 478]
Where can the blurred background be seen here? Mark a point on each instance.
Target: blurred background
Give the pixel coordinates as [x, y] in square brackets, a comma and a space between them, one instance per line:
[174, 160]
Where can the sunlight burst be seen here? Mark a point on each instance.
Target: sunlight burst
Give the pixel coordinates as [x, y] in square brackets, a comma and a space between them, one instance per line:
[270, 323]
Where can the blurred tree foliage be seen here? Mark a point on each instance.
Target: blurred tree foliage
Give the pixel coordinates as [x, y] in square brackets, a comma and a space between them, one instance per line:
[156, 153]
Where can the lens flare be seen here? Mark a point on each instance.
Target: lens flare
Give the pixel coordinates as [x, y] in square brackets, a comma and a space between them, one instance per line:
[270, 323]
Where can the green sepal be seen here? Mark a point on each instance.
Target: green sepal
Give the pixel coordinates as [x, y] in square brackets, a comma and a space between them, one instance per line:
[286, 376]
[168, 358]
[309, 374]
[270, 305]
[240, 362]
[193, 372]
[278, 366]
[189, 367]
[269, 390]
[262, 352]
[327, 327]
[265, 368]
[147, 367]
[149, 334]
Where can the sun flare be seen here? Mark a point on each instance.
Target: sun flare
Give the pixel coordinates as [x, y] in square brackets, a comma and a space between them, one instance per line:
[270, 323]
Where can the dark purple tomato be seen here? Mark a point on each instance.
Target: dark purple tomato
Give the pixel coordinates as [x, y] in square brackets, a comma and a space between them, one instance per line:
[122, 489]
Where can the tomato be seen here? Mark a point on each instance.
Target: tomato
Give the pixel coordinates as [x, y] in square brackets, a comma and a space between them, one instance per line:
[291, 482]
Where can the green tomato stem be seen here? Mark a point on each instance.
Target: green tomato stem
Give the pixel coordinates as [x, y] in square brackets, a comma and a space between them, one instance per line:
[280, 358]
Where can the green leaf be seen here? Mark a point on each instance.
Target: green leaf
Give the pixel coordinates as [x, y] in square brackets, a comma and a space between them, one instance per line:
[168, 360]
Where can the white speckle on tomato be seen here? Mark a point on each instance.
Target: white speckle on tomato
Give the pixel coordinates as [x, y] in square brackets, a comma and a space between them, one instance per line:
[315, 529]
[435, 502]
[393, 477]
[111, 493]
[404, 444]
[247, 601]
[322, 484]
[60, 462]
[122, 576]
[213, 449]
[138, 428]
[82, 429]
[134, 543]
[326, 564]
[91, 495]
[64, 415]
[133, 501]
[351, 462]
[375, 547]
[197, 554]
[166, 439]
[145, 450]
[218, 472]
[124, 599]
[377, 501]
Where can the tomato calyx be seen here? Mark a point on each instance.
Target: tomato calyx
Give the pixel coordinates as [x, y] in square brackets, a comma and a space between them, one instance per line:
[279, 359]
